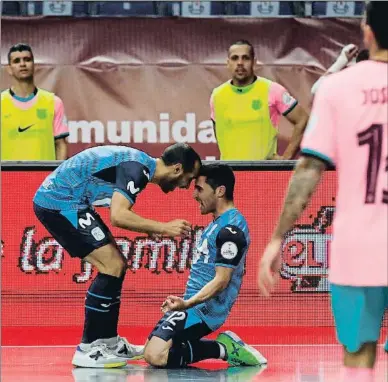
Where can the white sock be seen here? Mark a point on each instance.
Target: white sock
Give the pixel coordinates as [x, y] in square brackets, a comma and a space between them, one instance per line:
[222, 351]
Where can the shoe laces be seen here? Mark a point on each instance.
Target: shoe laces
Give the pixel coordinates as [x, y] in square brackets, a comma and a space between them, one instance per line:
[130, 348]
[102, 348]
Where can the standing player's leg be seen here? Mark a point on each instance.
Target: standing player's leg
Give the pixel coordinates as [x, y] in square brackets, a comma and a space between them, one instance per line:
[102, 304]
[358, 314]
[84, 235]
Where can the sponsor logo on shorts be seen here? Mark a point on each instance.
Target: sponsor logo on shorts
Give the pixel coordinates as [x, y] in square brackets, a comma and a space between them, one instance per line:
[98, 234]
[87, 221]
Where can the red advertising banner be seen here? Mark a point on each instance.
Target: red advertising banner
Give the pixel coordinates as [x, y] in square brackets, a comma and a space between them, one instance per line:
[42, 286]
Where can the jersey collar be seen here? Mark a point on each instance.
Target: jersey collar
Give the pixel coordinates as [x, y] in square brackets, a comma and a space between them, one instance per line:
[242, 89]
[225, 213]
[22, 99]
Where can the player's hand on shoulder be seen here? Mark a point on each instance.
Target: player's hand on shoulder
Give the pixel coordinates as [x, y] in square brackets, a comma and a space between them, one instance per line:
[173, 303]
[177, 227]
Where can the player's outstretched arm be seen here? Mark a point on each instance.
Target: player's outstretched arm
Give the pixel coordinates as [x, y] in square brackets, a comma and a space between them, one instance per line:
[122, 216]
[306, 177]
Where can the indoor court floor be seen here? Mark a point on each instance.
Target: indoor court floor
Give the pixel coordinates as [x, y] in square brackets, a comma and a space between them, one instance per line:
[286, 363]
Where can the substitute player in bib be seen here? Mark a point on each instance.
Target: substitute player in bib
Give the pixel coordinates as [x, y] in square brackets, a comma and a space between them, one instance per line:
[349, 128]
[213, 285]
[33, 122]
[108, 176]
[246, 111]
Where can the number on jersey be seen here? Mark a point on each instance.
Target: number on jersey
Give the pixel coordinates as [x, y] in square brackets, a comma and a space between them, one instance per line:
[203, 251]
[373, 136]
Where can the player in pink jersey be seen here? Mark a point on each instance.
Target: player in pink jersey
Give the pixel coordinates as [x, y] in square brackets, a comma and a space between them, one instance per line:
[349, 128]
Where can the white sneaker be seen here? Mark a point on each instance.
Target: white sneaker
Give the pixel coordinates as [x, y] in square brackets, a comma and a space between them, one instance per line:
[96, 355]
[122, 349]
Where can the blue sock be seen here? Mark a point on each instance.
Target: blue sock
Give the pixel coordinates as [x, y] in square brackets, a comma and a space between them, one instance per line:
[386, 345]
[102, 306]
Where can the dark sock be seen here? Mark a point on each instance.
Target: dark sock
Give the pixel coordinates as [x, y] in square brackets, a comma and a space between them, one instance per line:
[102, 306]
[188, 352]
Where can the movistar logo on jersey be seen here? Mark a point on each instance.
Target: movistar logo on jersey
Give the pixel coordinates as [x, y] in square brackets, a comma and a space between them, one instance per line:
[131, 187]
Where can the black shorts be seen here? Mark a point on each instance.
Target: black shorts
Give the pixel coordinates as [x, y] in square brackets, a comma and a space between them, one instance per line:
[78, 232]
[180, 326]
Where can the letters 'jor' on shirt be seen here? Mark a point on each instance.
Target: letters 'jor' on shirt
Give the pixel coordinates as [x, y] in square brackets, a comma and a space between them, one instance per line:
[90, 178]
[349, 128]
[246, 118]
[29, 126]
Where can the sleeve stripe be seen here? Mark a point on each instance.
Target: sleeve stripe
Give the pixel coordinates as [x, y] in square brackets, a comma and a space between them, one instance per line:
[123, 193]
[316, 154]
[292, 107]
[225, 265]
[63, 135]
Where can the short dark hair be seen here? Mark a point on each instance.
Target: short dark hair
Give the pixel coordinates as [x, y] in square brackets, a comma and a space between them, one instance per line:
[244, 42]
[376, 18]
[181, 153]
[362, 55]
[219, 175]
[20, 47]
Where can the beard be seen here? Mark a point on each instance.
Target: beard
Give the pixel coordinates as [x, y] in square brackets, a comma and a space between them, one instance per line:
[167, 186]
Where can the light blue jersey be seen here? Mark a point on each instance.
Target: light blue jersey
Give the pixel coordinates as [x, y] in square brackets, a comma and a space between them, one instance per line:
[90, 177]
[224, 243]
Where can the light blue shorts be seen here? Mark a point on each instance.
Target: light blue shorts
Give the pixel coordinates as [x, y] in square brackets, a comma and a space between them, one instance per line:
[358, 314]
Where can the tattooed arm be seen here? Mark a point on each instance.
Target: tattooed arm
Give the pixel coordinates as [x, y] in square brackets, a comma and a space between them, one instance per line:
[306, 177]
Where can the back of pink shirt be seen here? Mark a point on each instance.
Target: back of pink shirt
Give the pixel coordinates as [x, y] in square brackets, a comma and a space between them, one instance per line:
[349, 127]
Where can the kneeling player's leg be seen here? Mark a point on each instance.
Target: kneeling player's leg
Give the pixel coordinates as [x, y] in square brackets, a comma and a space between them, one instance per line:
[358, 314]
[176, 341]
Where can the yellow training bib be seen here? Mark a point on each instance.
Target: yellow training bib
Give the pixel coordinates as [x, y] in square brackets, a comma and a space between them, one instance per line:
[27, 134]
[243, 124]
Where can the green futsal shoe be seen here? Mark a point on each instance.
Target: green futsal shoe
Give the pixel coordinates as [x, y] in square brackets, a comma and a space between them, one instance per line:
[239, 353]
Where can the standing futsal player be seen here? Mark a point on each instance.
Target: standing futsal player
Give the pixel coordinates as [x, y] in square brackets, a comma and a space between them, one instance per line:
[103, 176]
[213, 286]
[349, 128]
